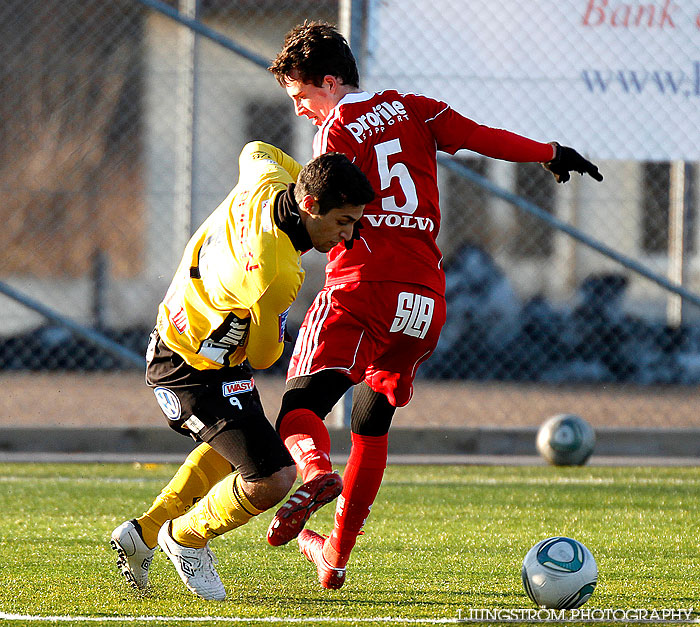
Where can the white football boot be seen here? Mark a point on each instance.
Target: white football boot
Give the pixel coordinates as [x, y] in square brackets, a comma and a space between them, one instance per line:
[133, 556]
[195, 566]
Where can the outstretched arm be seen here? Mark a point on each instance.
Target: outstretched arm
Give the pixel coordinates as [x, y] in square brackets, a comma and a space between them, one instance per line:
[454, 131]
[501, 144]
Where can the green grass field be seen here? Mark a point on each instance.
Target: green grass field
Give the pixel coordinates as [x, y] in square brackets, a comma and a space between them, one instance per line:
[441, 540]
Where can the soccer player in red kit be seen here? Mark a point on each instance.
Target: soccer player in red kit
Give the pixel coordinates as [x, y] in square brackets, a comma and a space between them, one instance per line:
[380, 312]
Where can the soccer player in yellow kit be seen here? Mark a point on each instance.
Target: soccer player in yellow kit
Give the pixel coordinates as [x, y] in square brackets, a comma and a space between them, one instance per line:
[225, 313]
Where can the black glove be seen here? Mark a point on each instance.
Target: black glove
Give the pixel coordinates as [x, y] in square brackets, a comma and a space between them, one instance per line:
[355, 235]
[567, 160]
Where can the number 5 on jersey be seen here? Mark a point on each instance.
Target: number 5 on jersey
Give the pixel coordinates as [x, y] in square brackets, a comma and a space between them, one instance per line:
[397, 171]
[414, 313]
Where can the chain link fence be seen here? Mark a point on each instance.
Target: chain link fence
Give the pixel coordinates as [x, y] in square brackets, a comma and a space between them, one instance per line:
[121, 130]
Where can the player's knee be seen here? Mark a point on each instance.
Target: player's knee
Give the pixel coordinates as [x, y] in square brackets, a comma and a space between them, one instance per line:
[371, 412]
[266, 493]
[301, 398]
[318, 393]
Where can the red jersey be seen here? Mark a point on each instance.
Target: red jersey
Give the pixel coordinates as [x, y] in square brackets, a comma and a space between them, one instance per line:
[394, 138]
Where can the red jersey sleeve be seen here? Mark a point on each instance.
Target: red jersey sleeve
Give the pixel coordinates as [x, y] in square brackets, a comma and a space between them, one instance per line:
[453, 131]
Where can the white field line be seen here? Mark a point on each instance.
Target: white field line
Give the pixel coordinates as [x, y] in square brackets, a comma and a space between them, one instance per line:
[227, 619]
[295, 620]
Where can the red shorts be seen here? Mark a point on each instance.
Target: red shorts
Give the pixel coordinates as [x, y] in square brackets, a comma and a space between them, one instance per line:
[375, 331]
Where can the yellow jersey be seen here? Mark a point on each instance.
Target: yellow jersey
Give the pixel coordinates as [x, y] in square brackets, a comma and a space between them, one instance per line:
[239, 273]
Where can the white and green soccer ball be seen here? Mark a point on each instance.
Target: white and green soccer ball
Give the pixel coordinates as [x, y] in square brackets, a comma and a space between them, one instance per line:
[559, 573]
[566, 440]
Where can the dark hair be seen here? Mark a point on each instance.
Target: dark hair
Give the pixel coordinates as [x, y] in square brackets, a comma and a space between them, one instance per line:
[313, 50]
[333, 180]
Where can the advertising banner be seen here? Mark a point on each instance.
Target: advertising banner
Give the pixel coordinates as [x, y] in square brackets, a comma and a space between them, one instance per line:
[618, 80]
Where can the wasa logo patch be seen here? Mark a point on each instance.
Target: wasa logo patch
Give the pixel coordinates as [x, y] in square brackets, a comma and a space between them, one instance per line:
[238, 387]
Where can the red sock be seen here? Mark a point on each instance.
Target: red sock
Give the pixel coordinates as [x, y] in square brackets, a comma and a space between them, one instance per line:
[308, 442]
[361, 481]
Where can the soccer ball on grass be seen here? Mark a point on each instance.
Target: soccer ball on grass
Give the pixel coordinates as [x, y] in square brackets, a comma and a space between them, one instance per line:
[559, 573]
[566, 440]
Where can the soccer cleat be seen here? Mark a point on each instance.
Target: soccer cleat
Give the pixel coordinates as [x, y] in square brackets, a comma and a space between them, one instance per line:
[133, 555]
[310, 496]
[311, 547]
[195, 566]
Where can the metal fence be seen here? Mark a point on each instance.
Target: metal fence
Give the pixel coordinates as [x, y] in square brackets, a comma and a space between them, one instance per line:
[121, 129]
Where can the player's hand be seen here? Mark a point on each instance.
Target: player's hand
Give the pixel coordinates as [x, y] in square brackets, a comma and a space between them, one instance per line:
[355, 235]
[567, 160]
